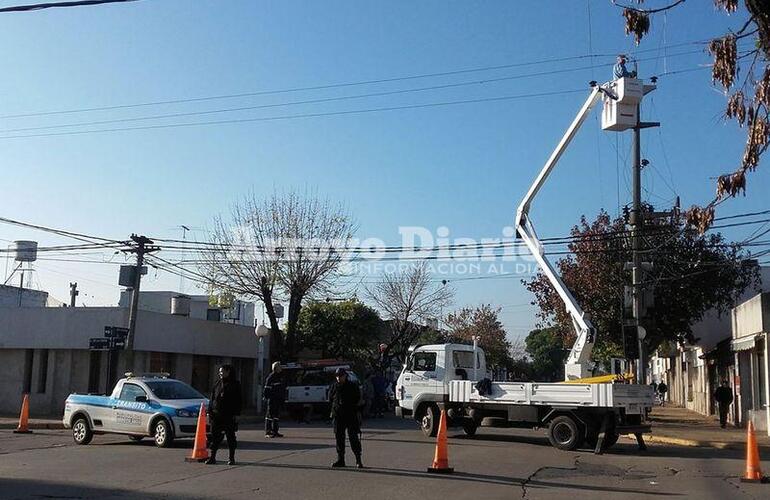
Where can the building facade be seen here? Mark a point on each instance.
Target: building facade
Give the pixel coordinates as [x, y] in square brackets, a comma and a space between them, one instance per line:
[45, 352]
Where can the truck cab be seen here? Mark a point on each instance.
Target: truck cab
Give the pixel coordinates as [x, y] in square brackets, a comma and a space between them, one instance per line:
[424, 379]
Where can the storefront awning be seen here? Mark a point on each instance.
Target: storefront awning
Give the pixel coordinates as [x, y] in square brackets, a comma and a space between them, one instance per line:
[744, 343]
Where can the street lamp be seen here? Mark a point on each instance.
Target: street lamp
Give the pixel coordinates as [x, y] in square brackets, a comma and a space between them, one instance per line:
[261, 332]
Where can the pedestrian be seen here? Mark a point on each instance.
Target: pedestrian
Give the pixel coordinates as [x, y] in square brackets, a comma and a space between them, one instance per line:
[662, 389]
[380, 402]
[274, 395]
[345, 398]
[724, 398]
[224, 407]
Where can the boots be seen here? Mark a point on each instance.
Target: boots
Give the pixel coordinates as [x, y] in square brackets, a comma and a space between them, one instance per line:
[212, 460]
[340, 461]
[359, 463]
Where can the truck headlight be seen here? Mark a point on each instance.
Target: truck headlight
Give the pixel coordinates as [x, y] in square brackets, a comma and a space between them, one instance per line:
[186, 413]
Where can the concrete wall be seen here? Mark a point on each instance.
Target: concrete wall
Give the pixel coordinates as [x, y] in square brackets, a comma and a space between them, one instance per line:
[61, 335]
[9, 297]
[71, 328]
[752, 317]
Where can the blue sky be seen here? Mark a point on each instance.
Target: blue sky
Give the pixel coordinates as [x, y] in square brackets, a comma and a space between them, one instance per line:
[463, 166]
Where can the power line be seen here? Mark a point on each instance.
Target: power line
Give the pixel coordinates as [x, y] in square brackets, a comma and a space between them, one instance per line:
[347, 84]
[304, 115]
[50, 5]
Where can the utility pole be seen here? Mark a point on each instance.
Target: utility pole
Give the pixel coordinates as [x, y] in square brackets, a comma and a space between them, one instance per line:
[141, 248]
[73, 293]
[637, 228]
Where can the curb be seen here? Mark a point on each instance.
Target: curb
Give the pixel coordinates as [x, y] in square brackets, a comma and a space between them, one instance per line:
[35, 425]
[719, 445]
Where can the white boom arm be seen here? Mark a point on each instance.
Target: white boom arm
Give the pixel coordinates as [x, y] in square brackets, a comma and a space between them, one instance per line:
[578, 362]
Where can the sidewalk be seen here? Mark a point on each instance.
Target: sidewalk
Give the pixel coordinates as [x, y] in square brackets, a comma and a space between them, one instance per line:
[682, 427]
[9, 422]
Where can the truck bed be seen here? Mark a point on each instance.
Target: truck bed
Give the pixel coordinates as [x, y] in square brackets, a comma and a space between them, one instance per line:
[630, 396]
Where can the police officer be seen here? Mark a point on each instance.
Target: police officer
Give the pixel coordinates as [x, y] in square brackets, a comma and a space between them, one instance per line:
[345, 398]
[224, 406]
[273, 394]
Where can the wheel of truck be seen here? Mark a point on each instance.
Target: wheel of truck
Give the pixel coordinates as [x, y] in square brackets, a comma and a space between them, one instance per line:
[564, 433]
[162, 433]
[136, 438]
[470, 426]
[429, 421]
[81, 432]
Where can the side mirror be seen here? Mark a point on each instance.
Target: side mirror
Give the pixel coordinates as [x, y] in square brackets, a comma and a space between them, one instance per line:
[141, 399]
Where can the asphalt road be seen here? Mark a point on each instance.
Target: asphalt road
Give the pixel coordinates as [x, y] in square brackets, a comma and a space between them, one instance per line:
[497, 463]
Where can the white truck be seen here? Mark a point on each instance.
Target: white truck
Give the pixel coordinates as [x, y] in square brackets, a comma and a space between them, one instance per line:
[583, 409]
[574, 414]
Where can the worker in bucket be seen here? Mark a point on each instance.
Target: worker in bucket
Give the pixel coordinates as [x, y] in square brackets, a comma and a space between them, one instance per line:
[620, 70]
[273, 394]
[345, 398]
[224, 407]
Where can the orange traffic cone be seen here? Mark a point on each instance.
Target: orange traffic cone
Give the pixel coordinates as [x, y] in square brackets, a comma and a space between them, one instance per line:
[753, 471]
[23, 427]
[200, 452]
[441, 458]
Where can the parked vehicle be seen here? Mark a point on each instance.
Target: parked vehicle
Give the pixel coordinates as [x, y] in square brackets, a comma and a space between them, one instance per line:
[139, 406]
[574, 414]
[308, 383]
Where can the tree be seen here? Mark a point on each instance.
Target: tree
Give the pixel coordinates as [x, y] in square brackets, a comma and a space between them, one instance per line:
[287, 244]
[483, 322]
[546, 347]
[692, 273]
[346, 330]
[405, 298]
[748, 102]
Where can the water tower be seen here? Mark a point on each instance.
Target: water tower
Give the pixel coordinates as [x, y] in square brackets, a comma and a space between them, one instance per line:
[24, 252]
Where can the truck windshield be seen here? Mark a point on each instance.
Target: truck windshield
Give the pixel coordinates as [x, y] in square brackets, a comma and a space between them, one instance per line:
[173, 389]
[463, 359]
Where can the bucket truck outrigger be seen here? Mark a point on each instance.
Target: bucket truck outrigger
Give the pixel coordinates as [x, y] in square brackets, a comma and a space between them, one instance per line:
[583, 410]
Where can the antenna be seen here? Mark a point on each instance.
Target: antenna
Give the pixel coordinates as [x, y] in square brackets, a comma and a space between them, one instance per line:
[184, 254]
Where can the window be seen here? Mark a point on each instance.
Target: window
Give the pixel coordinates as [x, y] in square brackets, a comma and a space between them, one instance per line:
[130, 392]
[173, 389]
[424, 362]
[464, 359]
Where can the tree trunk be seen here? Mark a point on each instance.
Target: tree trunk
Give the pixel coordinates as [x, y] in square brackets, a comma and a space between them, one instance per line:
[276, 338]
[295, 305]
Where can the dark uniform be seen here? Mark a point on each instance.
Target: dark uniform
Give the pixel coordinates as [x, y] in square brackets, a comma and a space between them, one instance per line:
[274, 395]
[724, 396]
[224, 406]
[345, 398]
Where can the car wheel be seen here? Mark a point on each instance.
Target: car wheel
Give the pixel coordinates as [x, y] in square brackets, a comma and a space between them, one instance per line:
[429, 421]
[162, 433]
[564, 433]
[136, 438]
[81, 431]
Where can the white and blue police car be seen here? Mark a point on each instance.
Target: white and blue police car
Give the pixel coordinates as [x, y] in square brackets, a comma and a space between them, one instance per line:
[140, 406]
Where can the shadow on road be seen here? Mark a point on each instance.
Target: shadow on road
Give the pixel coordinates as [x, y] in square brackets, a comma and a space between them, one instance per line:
[35, 488]
[462, 477]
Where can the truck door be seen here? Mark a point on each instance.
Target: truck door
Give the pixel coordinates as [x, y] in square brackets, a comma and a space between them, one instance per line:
[130, 415]
[422, 375]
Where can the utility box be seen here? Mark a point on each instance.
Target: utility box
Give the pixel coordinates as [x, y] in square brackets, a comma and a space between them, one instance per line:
[621, 113]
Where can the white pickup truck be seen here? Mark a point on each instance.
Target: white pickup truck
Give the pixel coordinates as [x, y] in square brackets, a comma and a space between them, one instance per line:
[139, 406]
[574, 414]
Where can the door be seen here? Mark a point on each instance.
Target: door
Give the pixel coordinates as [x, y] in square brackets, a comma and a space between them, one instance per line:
[131, 416]
[422, 375]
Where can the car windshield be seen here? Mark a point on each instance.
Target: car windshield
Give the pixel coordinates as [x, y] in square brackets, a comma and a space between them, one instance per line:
[173, 389]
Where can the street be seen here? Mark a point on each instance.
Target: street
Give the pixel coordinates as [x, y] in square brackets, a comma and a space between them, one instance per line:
[497, 463]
